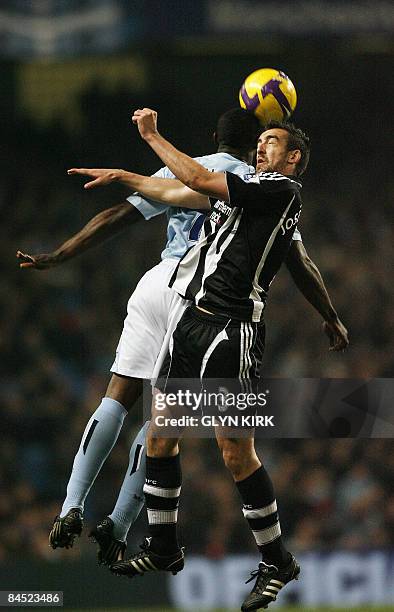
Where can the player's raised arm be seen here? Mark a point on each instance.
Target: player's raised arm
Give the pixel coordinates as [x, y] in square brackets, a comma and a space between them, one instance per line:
[186, 169]
[103, 226]
[166, 191]
[309, 281]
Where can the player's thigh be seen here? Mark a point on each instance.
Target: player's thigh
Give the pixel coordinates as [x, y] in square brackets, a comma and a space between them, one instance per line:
[177, 309]
[187, 345]
[145, 325]
[124, 389]
[239, 446]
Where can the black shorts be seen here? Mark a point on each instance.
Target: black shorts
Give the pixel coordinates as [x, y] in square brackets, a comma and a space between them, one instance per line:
[205, 346]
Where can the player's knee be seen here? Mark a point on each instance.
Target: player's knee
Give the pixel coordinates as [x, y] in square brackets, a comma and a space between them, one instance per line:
[160, 447]
[239, 456]
[234, 461]
[124, 389]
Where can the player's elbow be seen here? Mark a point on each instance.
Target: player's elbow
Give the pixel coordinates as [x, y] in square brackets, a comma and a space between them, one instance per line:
[297, 258]
[119, 215]
[198, 181]
[208, 184]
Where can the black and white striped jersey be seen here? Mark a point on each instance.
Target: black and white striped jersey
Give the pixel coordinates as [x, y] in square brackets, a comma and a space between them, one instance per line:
[244, 242]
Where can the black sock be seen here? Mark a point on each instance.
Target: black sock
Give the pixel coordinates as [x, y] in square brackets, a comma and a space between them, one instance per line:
[260, 511]
[162, 489]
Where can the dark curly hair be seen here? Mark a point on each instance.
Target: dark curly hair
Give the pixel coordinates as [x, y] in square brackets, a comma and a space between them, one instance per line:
[239, 129]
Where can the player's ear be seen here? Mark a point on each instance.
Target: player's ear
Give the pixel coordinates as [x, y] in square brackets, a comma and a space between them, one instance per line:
[294, 157]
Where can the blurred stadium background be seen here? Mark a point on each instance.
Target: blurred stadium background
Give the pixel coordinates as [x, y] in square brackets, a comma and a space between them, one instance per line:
[71, 72]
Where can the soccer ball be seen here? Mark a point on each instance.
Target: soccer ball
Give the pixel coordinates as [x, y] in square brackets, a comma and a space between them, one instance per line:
[269, 93]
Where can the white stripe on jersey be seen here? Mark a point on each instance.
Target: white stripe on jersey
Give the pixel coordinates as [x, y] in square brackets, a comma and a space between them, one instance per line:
[268, 176]
[258, 305]
[213, 257]
[275, 176]
[186, 271]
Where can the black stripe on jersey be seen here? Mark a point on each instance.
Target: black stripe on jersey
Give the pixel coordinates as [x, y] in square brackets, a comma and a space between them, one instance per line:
[194, 286]
[208, 237]
[226, 234]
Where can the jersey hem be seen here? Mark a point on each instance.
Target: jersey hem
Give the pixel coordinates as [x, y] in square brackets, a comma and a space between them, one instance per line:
[131, 373]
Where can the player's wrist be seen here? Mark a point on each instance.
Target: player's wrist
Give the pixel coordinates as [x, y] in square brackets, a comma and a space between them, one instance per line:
[129, 179]
[151, 137]
[120, 175]
[114, 176]
[57, 257]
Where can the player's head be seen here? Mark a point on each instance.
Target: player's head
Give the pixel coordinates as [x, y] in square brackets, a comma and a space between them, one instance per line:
[282, 147]
[237, 130]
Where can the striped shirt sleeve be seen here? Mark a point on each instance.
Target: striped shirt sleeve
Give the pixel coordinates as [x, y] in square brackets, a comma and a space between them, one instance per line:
[261, 193]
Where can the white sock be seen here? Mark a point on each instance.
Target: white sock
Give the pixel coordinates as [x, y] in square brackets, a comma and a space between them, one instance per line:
[98, 439]
[131, 497]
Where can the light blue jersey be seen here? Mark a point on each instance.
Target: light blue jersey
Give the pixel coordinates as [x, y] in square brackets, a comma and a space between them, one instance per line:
[184, 225]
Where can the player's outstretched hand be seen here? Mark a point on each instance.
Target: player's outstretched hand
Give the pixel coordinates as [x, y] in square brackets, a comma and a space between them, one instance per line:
[337, 335]
[39, 262]
[146, 120]
[101, 176]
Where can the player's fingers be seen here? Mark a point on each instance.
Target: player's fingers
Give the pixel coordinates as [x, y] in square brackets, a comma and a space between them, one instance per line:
[94, 183]
[338, 345]
[328, 331]
[136, 116]
[81, 171]
[334, 340]
[24, 256]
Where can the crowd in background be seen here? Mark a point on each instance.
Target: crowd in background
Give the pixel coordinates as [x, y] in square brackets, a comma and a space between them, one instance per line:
[60, 329]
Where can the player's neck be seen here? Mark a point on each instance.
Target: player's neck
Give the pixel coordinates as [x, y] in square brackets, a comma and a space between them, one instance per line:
[242, 155]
